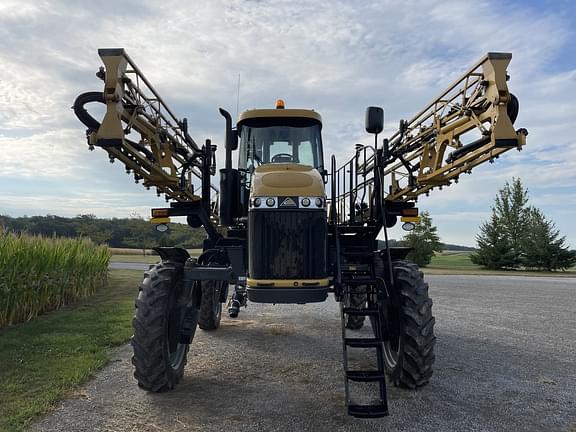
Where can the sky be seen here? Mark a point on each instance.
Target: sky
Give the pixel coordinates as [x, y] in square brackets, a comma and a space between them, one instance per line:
[337, 57]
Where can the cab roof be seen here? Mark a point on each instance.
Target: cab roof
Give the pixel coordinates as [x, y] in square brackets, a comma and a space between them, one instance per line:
[279, 113]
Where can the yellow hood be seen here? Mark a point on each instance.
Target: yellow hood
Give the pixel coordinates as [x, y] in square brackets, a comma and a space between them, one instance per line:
[287, 180]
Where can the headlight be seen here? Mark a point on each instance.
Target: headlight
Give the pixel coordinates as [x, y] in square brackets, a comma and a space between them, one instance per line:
[270, 202]
[305, 202]
[319, 202]
[257, 202]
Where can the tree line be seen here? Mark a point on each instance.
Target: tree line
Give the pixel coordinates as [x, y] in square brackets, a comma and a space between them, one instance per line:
[517, 236]
[119, 233]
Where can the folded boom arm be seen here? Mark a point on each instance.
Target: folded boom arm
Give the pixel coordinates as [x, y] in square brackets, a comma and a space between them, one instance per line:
[470, 123]
[430, 149]
[141, 131]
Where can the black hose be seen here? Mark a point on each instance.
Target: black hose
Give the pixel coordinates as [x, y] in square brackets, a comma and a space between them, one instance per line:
[467, 148]
[512, 108]
[93, 124]
[149, 155]
[81, 112]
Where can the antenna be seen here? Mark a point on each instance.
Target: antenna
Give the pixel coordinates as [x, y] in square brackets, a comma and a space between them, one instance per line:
[238, 97]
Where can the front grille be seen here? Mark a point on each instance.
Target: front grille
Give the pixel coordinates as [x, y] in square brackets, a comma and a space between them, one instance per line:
[287, 244]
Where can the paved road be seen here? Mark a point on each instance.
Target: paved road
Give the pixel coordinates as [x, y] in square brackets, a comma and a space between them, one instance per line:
[505, 362]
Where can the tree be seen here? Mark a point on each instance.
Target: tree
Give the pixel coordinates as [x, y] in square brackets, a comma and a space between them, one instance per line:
[500, 241]
[543, 247]
[87, 225]
[494, 251]
[520, 236]
[423, 240]
[122, 233]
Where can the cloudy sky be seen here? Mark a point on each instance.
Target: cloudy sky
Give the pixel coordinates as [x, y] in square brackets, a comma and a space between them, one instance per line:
[334, 56]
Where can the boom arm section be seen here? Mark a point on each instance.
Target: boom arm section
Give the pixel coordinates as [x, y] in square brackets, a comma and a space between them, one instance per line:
[430, 150]
[141, 131]
[470, 123]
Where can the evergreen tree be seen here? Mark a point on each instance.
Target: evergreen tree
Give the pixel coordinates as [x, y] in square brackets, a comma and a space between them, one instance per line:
[511, 207]
[520, 236]
[494, 249]
[543, 247]
[500, 241]
[424, 240]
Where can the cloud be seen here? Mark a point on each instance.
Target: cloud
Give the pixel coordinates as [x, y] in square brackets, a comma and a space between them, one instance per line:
[102, 205]
[334, 56]
[55, 153]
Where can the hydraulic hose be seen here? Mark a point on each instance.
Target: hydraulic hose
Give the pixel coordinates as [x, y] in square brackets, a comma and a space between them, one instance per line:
[93, 124]
[81, 112]
[512, 109]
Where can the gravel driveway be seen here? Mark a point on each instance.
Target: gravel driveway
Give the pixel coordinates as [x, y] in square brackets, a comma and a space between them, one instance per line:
[505, 361]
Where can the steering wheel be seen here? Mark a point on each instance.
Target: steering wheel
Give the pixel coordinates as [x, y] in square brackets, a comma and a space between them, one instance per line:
[282, 157]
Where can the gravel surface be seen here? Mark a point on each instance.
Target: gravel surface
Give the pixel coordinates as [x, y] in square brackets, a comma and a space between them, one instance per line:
[505, 361]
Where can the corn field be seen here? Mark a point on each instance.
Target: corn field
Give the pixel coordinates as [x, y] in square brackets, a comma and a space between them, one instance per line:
[43, 273]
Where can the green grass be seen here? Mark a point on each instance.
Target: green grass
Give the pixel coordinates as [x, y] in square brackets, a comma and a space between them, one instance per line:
[452, 262]
[42, 360]
[146, 259]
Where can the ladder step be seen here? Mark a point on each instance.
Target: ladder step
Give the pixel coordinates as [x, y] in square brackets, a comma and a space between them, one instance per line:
[365, 376]
[363, 342]
[361, 312]
[368, 411]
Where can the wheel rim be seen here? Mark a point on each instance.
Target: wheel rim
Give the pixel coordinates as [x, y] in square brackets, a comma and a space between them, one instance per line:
[177, 356]
[176, 350]
[393, 346]
[217, 304]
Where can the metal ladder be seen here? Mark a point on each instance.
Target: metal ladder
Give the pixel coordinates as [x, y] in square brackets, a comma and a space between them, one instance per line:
[372, 309]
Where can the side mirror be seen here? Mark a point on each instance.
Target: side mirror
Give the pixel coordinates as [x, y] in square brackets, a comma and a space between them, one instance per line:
[374, 120]
[324, 173]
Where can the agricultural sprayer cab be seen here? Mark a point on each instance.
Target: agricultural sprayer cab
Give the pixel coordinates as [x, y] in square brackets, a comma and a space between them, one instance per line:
[284, 226]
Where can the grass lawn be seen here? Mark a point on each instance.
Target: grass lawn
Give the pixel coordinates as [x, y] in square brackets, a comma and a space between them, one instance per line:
[451, 262]
[42, 360]
[148, 259]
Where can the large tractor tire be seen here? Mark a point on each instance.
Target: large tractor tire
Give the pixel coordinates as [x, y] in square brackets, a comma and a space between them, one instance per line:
[211, 307]
[356, 299]
[409, 352]
[159, 354]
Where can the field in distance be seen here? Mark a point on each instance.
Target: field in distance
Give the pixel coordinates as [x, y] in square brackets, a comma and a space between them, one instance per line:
[446, 262]
[458, 262]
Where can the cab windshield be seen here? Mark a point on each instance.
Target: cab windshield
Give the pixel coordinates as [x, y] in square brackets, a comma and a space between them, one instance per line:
[266, 143]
